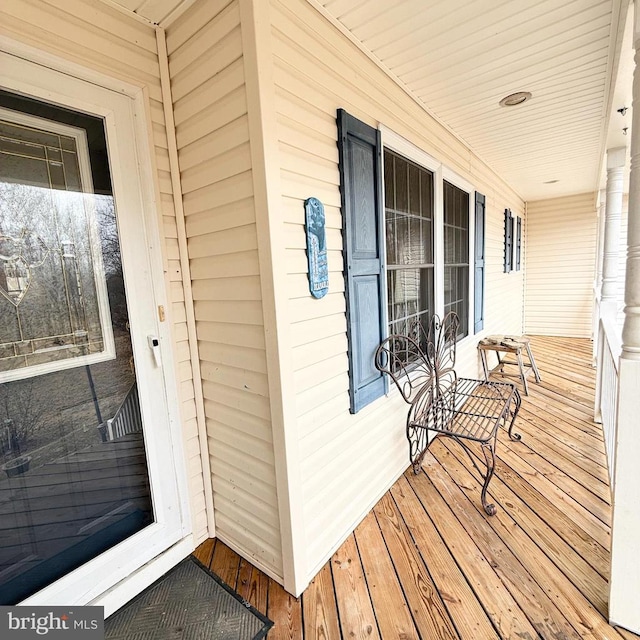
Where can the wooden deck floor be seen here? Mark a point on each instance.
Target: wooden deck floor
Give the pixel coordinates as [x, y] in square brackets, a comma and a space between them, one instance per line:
[427, 563]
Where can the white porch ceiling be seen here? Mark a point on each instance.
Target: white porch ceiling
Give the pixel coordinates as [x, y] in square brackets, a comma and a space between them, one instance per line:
[460, 57]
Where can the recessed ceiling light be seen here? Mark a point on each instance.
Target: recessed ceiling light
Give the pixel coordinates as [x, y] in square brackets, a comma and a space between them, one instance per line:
[551, 181]
[514, 99]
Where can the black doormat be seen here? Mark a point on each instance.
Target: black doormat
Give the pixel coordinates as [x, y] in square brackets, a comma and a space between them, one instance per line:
[188, 603]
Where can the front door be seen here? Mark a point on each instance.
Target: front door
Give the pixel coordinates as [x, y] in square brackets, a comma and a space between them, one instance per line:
[88, 484]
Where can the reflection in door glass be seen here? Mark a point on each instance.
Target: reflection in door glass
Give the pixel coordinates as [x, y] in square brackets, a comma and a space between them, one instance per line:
[73, 477]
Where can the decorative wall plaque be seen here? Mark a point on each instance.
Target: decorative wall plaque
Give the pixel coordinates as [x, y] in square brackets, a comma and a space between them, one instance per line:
[316, 247]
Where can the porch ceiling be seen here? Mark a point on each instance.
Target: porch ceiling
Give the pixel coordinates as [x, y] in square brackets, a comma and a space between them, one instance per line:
[461, 57]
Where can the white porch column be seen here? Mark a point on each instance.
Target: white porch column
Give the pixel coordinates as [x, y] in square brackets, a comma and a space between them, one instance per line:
[624, 594]
[602, 200]
[613, 216]
[597, 280]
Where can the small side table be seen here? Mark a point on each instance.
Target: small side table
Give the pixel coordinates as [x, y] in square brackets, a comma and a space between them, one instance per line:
[509, 345]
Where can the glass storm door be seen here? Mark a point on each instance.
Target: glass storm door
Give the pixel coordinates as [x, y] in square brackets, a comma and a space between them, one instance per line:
[76, 364]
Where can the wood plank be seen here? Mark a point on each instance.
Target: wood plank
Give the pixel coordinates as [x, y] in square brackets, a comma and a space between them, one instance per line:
[581, 516]
[390, 607]
[563, 476]
[204, 552]
[427, 607]
[566, 558]
[557, 518]
[575, 607]
[455, 552]
[357, 620]
[319, 608]
[225, 563]
[438, 491]
[252, 585]
[590, 475]
[286, 613]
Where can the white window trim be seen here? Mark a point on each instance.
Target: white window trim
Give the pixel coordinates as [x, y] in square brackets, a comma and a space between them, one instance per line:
[395, 142]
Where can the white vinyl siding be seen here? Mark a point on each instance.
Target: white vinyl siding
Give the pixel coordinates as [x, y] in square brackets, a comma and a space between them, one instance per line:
[561, 249]
[212, 131]
[348, 461]
[99, 37]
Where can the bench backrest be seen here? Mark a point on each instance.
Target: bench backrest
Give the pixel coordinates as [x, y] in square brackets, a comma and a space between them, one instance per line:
[423, 362]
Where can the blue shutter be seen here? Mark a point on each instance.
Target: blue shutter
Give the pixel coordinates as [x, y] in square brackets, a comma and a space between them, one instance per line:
[478, 286]
[508, 240]
[362, 227]
[518, 242]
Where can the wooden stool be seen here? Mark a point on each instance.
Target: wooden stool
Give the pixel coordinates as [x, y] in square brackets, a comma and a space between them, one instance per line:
[506, 345]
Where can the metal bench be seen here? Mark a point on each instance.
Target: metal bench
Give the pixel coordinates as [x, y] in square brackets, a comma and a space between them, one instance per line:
[422, 367]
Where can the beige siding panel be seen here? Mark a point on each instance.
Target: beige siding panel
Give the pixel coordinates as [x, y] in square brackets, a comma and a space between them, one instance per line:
[240, 335]
[227, 265]
[561, 247]
[210, 92]
[226, 192]
[227, 216]
[244, 312]
[210, 104]
[97, 36]
[348, 461]
[241, 379]
[222, 140]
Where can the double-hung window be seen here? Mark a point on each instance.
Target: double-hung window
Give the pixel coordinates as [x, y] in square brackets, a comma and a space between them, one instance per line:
[409, 226]
[456, 254]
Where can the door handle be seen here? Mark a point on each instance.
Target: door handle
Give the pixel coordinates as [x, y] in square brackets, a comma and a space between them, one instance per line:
[154, 345]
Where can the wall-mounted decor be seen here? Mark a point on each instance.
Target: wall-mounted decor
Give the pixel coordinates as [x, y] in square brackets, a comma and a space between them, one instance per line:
[316, 247]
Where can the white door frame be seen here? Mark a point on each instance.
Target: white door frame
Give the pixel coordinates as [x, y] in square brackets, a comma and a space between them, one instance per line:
[103, 580]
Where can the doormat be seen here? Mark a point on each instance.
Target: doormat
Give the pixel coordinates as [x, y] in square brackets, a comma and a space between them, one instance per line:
[188, 603]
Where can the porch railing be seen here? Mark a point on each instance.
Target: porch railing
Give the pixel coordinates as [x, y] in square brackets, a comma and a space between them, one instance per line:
[609, 348]
[127, 418]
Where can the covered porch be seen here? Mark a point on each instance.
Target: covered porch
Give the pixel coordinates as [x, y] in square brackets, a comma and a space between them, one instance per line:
[427, 563]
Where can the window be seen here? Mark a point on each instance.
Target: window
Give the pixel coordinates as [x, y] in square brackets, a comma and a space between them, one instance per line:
[479, 256]
[409, 223]
[456, 254]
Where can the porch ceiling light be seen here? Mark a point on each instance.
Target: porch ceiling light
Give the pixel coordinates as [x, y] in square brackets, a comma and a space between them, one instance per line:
[514, 99]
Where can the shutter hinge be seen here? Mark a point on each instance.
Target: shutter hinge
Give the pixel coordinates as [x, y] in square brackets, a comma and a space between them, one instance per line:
[161, 314]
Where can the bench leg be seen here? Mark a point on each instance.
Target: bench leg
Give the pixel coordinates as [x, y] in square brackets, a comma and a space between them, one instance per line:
[517, 399]
[488, 449]
[418, 438]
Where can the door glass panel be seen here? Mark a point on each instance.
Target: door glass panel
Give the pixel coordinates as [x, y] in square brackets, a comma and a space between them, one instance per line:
[74, 479]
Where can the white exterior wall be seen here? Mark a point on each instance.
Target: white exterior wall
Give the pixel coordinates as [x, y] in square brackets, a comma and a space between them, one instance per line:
[348, 461]
[561, 250]
[100, 38]
[212, 129]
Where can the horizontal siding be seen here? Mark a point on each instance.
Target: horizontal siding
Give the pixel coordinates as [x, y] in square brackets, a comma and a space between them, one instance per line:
[212, 132]
[99, 37]
[348, 461]
[561, 250]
